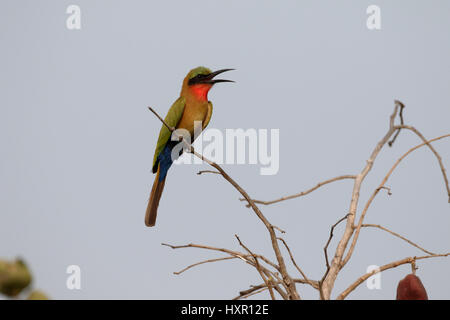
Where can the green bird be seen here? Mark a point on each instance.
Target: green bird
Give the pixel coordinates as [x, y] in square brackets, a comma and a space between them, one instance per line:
[191, 106]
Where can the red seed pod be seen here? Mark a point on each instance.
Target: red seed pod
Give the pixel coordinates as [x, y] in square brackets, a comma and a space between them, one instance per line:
[411, 288]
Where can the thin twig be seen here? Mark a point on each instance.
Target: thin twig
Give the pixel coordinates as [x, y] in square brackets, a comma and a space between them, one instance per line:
[389, 192]
[325, 251]
[253, 288]
[437, 155]
[396, 235]
[303, 193]
[293, 261]
[171, 129]
[207, 171]
[414, 267]
[233, 253]
[228, 251]
[203, 262]
[244, 257]
[402, 106]
[253, 292]
[258, 268]
[279, 229]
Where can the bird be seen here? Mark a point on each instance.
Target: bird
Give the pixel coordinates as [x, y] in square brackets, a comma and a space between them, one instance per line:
[192, 105]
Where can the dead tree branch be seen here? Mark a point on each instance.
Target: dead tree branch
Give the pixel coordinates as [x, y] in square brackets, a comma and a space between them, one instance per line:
[374, 194]
[325, 251]
[436, 154]
[247, 258]
[303, 193]
[258, 288]
[258, 268]
[368, 225]
[339, 261]
[203, 262]
[402, 106]
[391, 265]
[233, 253]
[295, 263]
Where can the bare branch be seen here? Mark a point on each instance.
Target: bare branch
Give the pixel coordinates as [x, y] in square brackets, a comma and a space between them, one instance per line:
[295, 263]
[396, 235]
[171, 129]
[303, 193]
[236, 254]
[279, 229]
[437, 155]
[402, 106]
[208, 171]
[244, 257]
[414, 267]
[251, 293]
[233, 253]
[391, 265]
[369, 202]
[335, 267]
[245, 293]
[287, 279]
[258, 268]
[389, 192]
[203, 262]
[325, 251]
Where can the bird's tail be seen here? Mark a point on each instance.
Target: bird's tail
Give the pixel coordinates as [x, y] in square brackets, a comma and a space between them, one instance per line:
[155, 196]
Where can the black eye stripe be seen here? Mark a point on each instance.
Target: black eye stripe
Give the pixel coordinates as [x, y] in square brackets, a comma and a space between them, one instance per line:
[197, 78]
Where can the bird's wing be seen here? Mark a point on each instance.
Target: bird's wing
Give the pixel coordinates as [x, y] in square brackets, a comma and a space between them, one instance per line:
[172, 118]
[208, 115]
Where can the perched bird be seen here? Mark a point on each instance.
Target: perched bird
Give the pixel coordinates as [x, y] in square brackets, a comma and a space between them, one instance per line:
[191, 106]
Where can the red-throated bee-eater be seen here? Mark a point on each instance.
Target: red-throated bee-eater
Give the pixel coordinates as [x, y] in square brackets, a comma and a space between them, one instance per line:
[191, 106]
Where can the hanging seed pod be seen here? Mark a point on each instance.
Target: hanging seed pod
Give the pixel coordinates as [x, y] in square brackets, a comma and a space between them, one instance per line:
[411, 288]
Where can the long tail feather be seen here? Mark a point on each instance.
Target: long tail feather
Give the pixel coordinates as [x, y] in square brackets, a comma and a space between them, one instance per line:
[155, 196]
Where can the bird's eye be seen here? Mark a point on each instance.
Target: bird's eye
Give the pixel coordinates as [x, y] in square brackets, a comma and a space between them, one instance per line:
[197, 78]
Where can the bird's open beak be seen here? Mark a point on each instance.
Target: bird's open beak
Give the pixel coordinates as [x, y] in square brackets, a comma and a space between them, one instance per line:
[210, 77]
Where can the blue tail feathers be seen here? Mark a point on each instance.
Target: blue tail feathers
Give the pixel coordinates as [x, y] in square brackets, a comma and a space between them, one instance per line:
[165, 159]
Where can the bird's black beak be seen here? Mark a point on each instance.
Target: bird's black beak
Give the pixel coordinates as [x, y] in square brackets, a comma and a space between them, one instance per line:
[215, 73]
[209, 78]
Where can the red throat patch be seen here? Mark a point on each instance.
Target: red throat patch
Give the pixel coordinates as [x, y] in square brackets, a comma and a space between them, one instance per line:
[200, 91]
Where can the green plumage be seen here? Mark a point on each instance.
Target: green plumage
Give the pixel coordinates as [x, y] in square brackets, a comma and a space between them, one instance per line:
[208, 115]
[197, 71]
[172, 118]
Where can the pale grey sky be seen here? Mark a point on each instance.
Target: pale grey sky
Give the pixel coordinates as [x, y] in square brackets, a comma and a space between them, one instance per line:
[77, 139]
